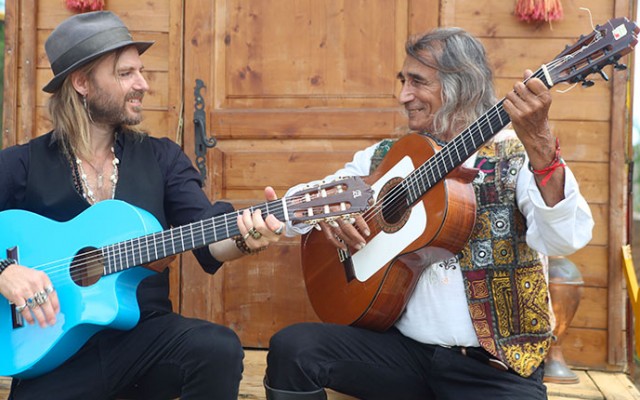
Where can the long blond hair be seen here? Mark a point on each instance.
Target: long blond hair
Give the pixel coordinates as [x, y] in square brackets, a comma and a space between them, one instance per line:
[69, 115]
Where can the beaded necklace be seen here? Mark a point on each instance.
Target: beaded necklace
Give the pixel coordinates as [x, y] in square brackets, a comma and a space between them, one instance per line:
[89, 194]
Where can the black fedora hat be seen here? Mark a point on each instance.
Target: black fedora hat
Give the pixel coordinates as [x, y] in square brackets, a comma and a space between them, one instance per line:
[82, 38]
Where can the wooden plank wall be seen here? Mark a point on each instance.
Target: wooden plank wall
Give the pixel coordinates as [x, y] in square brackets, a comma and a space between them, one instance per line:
[583, 119]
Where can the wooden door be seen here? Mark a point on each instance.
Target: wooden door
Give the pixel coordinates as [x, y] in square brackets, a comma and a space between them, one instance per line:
[292, 89]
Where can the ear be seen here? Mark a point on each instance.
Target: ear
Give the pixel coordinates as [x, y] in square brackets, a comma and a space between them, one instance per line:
[80, 82]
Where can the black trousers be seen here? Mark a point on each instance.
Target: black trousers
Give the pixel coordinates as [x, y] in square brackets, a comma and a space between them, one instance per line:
[163, 357]
[373, 365]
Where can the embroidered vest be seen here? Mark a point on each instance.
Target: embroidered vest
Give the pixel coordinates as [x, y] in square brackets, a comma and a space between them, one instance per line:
[504, 278]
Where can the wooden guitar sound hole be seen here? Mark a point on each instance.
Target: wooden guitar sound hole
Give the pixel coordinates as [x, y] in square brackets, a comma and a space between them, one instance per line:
[87, 267]
[395, 211]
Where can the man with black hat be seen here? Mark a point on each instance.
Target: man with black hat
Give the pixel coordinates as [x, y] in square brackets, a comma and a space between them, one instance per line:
[94, 153]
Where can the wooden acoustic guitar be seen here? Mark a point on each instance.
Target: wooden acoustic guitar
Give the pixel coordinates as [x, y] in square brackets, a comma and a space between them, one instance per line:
[424, 210]
[96, 272]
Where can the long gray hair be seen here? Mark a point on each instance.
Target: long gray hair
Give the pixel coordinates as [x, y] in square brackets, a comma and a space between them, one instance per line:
[465, 76]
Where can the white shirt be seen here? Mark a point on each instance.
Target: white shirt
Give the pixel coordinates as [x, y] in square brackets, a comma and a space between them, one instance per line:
[437, 311]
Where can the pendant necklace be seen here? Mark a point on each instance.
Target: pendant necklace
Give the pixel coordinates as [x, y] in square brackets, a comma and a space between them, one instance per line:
[89, 193]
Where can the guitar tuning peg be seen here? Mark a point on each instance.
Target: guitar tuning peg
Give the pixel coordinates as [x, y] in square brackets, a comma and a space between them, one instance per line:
[603, 75]
[619, 67]
[587, 84]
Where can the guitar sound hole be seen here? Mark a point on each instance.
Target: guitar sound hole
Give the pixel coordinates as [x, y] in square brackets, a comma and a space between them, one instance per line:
[395, 212]
[87, 267]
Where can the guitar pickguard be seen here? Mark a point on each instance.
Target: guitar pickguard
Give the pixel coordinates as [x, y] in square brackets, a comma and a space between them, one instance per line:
[382, 249]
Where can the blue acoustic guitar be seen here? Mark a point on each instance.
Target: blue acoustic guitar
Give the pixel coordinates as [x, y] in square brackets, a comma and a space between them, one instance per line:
[96, 271]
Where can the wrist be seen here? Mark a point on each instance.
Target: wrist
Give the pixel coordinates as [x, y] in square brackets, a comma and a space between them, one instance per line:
[4, 264]
[546, 172]
[242, 245]
[543, 154]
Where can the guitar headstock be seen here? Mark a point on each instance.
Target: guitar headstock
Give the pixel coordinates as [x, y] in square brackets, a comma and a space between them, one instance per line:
[591, 53]
[326, 201]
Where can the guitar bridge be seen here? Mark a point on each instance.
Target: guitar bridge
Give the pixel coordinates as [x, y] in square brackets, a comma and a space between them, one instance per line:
[347, 263]
[17, 320]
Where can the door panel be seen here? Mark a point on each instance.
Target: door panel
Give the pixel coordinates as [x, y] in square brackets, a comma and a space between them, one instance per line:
[293, 88]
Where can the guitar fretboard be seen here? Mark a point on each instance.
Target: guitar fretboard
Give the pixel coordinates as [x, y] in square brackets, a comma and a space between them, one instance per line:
[156, 246]
[459, 149]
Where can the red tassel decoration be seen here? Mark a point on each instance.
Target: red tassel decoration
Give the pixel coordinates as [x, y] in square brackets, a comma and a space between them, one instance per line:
[81, 6]
[538, 10]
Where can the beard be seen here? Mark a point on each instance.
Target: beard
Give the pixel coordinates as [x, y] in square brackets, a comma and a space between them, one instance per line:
[104, 108]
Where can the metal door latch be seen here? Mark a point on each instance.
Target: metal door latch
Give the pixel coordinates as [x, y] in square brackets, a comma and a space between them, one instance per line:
[202, 142]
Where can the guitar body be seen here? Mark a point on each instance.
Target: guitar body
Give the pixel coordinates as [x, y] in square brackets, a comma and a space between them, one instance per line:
[370, 287]
[50, 246]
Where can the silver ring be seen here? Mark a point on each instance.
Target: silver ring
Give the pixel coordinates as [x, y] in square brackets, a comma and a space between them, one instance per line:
[246, 236]
[49, 289]
[41, 297]
[19, 309]
[255, 234]
[279, 230]
[31, 303]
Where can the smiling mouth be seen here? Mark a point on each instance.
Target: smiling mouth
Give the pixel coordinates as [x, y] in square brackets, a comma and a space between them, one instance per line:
[135, 102]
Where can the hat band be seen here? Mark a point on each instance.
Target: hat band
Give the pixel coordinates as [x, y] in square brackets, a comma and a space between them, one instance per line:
[94, 45]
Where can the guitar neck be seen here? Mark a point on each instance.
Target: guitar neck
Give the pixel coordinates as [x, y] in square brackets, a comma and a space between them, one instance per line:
[454, 153]
[156, 246]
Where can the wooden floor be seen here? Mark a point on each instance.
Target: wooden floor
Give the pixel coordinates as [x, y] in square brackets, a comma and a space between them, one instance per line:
[594, 385]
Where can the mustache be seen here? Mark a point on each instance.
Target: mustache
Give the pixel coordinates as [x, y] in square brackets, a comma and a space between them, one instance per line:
[136, 94]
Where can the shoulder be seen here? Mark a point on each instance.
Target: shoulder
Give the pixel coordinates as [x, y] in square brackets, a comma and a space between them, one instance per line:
[19, 153]
[169, 153]
[162, 147]
[15, 161]
[15, 152]
[171, 158]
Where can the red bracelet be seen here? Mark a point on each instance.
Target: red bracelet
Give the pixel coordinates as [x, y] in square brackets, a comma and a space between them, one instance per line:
[547, 171]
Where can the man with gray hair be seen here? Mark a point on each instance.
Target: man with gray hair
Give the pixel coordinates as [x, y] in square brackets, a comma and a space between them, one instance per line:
[477, 323]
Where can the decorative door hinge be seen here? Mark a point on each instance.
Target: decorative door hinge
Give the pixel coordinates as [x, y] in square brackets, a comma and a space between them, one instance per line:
[202, 142]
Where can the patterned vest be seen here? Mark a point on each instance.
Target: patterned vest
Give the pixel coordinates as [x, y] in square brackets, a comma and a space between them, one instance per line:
[504, 278]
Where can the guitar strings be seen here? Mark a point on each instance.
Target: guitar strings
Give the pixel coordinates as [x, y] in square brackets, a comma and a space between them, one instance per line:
[211, 227]
[101, 255]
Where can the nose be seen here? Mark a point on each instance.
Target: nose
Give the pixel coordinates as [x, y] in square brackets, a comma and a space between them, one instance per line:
[141, 83]
[406, 93]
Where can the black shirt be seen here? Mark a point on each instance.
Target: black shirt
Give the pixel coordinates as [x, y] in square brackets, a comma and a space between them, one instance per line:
[184, 200]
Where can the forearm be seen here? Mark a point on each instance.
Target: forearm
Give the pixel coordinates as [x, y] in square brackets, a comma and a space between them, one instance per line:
[558, 230]
[225, 250]
[547, 166]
